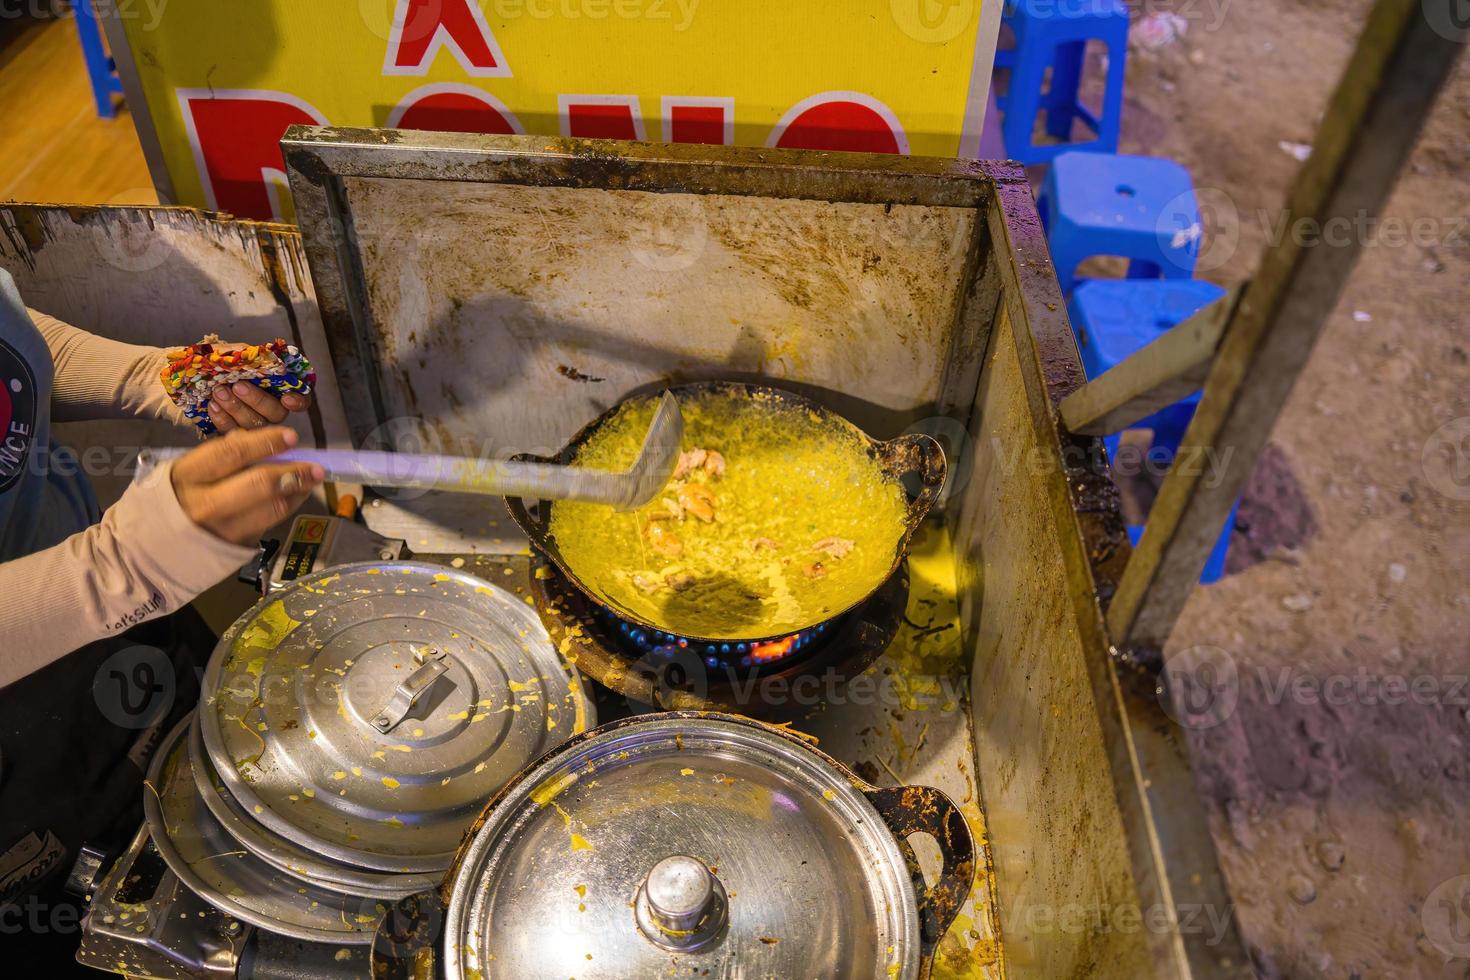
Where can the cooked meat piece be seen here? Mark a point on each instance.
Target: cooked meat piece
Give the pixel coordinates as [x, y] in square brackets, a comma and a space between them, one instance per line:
[699, 500]
[762, 544]
[835, 547]
[814, 570]
[670, 511]
[680, 581]
[664, 541]
[689, 461]
[714, 463]
[645, 582]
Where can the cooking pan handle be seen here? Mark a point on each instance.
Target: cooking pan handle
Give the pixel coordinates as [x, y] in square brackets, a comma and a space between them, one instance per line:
[909, 810]
[535, 530]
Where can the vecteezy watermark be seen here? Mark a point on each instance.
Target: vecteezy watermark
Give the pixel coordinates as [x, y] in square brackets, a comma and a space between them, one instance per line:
[134, 688]
[1446, 459]
[33, 916]
[1076, 918]
[1208, 222]
[385, 17]
[148, 11]
[933, 21]
[1446, 917]
[1201, 687]
[678, 13]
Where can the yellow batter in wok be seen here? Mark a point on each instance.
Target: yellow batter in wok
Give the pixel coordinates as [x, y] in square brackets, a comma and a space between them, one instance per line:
[775, 521]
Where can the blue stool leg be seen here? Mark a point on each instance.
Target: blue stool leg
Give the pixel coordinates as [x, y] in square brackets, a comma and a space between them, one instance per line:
[100, 67]
[1023, 101]
[1108, 125]
[1066, 79]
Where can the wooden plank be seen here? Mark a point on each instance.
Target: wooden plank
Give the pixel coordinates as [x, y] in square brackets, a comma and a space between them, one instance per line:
[1170, 368]
[1400, 63]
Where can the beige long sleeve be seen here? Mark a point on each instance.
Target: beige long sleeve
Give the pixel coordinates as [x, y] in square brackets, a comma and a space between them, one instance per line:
[144, 559]
[97, 378]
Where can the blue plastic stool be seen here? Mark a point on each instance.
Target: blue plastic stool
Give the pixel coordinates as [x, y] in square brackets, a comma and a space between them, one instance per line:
[1140, 208]
[1053, 34]
[101, 69]
[1115, 317]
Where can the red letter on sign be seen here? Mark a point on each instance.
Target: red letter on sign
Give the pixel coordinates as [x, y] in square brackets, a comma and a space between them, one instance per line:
[697, 119]
[840, 121]
[422, 27]
[453, 108]
[600, 117]
[236, 135]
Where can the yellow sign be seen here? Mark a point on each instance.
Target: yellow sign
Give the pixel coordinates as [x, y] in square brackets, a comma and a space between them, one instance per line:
[222, 81]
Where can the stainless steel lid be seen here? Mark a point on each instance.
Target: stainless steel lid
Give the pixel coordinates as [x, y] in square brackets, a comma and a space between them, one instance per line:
[369, 710]
[214, 866]
[677, 845]
[279, 852]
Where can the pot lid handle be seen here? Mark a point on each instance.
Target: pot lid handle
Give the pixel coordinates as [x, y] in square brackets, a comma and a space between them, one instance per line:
[681, 905]
[432, 665]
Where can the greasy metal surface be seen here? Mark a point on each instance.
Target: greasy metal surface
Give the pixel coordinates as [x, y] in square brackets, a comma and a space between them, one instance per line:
[147, 924]
[212, 864]
[1042, 548]
[509, 289]
[817, 887]
[685, 682]
[294, 686]
[916, 461]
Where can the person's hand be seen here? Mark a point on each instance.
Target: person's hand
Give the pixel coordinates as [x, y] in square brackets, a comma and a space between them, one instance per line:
[244, 406]
[223, 486]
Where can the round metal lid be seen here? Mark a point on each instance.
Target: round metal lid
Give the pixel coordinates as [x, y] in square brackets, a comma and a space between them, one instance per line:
[213, 865]
[682, 846]
[282, 853]
[367, 711]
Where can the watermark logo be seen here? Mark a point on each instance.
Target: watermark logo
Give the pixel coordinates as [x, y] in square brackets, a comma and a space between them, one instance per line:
[1446, 917]
[1450, 19]
[134, 688]
[1446, 459]
[1200, 687]
[1206, 221]
[136, 247]
[671, 237]
[933, 21]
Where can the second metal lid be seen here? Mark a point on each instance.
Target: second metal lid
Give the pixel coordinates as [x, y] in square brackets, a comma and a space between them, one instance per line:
[690, 845]
[367, 711]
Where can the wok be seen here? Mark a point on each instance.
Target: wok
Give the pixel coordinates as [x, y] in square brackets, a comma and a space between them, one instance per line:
[915, 461]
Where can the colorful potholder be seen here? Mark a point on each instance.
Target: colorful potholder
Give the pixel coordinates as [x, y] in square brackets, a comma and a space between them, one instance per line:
[194, 372]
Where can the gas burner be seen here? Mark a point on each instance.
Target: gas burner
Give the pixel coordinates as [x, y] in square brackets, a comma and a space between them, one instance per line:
[642, 641]
[665, 670]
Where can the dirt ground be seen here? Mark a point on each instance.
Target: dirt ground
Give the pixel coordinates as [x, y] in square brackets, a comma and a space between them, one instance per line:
[1338, 787]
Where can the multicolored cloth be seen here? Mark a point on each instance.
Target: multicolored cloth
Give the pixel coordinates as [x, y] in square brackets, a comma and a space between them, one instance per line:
[194, 372]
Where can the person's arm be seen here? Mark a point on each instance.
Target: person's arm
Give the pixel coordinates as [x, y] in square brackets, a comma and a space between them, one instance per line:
[169, 537]
[97, 378]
